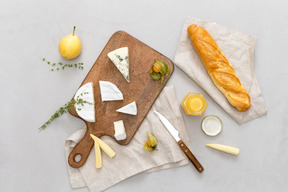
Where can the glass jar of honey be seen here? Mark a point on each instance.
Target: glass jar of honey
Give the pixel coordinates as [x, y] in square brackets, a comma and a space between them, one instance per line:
[194, 104]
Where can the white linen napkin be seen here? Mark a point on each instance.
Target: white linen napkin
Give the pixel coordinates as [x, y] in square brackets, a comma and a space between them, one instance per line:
[238, 48]
[133, 159]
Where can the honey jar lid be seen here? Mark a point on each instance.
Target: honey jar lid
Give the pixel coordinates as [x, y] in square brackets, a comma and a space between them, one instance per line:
[211, 125]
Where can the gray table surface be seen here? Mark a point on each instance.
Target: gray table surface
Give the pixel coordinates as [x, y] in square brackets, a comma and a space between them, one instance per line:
[30, 93]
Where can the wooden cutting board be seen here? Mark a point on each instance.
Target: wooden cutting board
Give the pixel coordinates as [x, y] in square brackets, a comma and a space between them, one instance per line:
[141, 88]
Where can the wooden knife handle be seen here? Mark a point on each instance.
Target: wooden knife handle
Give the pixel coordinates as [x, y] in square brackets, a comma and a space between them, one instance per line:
[191, 157]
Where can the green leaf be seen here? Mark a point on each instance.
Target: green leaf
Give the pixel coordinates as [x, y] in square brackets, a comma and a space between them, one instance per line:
[163, 69]
[63, 66]
[64, 109]
[155, 76]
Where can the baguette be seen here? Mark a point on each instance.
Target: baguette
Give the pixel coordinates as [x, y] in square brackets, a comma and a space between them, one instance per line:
[219, 68]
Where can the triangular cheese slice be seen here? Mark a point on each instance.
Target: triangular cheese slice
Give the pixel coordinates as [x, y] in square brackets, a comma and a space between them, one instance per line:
[131, 109]
[120, 58]
[109, 91]
[87, 110]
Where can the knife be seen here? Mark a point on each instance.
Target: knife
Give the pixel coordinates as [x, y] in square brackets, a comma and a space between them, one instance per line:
[182, 145]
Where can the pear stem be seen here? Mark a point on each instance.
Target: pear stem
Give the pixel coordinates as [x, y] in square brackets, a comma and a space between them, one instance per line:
[74, 30]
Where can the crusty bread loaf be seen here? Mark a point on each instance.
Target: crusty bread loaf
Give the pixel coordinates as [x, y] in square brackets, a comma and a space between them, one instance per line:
[219, 68]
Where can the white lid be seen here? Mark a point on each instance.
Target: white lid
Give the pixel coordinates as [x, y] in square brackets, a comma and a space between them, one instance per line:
[211, 125]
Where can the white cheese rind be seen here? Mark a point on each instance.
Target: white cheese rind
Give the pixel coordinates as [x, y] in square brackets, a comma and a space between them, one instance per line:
[109, 91]
[120, 133]
[120, 58]
[130, 109]
[86, 111]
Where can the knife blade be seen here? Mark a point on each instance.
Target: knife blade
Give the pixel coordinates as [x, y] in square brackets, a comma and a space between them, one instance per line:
[174, 132]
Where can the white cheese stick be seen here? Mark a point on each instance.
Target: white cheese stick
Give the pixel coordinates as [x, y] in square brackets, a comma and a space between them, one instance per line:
[224, 148]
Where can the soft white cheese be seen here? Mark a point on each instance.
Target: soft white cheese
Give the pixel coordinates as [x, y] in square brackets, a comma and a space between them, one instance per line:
[87, 110]
[120, 58]
[131, 109]
[119, 129]
[109, 91]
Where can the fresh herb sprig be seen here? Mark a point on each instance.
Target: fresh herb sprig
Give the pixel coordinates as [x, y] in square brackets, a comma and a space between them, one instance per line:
[64, 109]
[60, 65]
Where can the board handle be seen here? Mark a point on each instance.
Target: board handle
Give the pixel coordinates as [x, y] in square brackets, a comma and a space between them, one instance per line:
[80, 153]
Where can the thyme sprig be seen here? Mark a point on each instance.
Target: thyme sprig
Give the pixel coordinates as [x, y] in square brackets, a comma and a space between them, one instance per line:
[64, 109]
[57, 66]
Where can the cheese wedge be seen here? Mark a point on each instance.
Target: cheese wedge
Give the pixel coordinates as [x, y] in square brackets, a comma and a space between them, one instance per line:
[120, 133]
[87, 110]
[131, 109]
[109, 91]
[120, 58]
[224, 148]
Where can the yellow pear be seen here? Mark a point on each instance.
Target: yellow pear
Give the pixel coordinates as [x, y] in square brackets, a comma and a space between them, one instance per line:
[70, 46]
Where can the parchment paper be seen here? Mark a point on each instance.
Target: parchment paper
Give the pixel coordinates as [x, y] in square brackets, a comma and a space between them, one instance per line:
[238, 48]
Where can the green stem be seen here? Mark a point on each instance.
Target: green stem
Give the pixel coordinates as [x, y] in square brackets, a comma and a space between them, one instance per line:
[74, 30]
[62, 65]
[64, 109]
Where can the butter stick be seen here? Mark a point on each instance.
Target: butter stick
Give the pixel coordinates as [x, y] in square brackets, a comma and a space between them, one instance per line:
[224, 148]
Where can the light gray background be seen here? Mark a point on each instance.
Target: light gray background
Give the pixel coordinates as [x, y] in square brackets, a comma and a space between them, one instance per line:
[30, 94]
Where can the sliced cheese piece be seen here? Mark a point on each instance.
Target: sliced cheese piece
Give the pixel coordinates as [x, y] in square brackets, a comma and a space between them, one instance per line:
[108, 150]
[120, 58]
[87, 110]
[225, 148]
[98, 157]
[109, 91]
[119, 128]
[131, 109]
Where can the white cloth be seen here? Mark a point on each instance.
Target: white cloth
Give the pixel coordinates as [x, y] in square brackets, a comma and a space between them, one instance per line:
[133, 159]
[238, 48]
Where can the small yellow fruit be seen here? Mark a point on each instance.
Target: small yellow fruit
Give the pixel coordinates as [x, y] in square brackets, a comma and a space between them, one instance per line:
[151, 144]
[70, 46]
